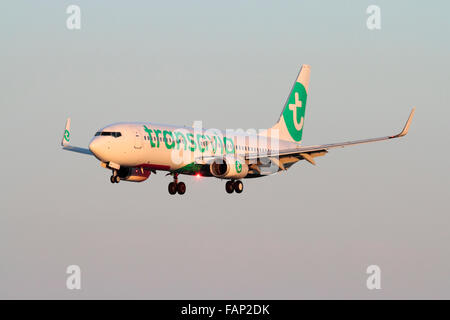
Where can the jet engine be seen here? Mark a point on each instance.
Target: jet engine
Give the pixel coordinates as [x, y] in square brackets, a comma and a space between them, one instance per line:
[228, 168]
[135, 174]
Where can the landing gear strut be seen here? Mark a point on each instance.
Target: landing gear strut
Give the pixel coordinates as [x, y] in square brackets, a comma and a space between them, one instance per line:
[115, 177]
[232, 185]
[176, 186]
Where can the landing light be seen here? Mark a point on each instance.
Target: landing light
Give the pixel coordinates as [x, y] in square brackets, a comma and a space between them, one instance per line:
[198, 175]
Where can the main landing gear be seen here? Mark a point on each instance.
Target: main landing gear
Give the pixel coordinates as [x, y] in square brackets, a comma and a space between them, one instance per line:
[176, 186]
[233, 185]
[115, 177]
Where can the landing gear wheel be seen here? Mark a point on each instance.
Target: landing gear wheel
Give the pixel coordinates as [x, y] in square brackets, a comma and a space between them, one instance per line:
[229, 186]
[114, 179]
[172, 188]
[238, 186]
[181, 188]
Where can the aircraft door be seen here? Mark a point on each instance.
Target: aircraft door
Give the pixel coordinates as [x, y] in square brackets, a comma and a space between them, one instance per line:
[138, 140]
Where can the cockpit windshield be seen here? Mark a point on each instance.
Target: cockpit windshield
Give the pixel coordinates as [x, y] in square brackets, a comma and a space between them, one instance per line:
[108, 133]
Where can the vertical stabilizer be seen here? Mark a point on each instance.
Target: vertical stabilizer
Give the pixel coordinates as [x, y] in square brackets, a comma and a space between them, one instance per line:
[292, 118]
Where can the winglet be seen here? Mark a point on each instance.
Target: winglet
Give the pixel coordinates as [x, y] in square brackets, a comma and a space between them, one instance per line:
[66, 139]
[66, 136]
[406, 127]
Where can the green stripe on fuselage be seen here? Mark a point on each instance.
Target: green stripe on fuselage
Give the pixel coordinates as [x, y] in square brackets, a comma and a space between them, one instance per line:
[190, 168]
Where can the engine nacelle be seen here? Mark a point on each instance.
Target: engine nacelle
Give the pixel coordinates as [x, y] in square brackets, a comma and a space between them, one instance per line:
[229, 168]
[135, 174]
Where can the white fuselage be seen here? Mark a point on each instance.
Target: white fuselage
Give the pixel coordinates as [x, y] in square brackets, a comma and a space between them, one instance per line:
[165, 147]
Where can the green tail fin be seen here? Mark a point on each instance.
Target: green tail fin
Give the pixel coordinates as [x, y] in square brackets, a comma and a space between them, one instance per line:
[290, 124]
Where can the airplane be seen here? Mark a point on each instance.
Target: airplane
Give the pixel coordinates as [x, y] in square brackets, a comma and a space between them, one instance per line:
[134, 150]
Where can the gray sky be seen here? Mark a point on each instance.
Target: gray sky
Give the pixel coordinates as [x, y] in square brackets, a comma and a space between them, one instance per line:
[307, 233]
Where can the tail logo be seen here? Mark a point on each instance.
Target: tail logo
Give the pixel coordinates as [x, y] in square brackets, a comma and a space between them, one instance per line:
[293, 107]
[294, 112]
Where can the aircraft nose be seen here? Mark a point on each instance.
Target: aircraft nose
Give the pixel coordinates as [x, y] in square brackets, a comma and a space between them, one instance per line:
[94, 146]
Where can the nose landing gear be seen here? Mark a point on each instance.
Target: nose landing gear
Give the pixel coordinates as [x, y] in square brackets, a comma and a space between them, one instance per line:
[232, 185]
[176, 186]
[115, 177]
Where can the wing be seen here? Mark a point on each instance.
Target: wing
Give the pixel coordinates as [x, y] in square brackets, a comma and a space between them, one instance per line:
[65, 142]
[78, 150]
[308, 153]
